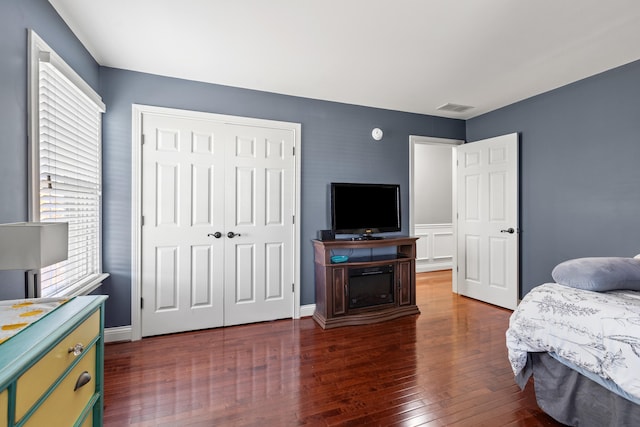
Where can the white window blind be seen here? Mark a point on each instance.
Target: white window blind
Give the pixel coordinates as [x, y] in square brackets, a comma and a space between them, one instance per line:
[69, 124]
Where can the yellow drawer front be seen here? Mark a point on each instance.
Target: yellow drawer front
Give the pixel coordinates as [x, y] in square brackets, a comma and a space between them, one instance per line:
[35, 382]
[4, 408]
[88, 422]
[63, 407]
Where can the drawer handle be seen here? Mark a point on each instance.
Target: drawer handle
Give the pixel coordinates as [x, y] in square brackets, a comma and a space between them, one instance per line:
[83, 380]
[76, 349]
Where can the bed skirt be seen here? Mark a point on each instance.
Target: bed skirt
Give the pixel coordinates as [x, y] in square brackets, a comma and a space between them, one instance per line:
[574, 399]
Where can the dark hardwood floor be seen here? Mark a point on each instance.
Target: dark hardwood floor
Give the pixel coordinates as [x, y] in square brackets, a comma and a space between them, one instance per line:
[446, 366]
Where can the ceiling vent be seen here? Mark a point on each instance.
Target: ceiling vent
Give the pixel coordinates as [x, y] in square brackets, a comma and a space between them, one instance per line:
[456, 108]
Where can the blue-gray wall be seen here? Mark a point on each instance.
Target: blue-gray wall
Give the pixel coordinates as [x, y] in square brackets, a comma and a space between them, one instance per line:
[580, 170]
[579, 153]
[336, 142]
[336, 146]
[16, 16]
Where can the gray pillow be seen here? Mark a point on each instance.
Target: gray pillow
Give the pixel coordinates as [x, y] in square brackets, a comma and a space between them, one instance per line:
[599, 274]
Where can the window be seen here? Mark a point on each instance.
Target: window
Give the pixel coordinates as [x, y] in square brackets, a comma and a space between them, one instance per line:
[66, 129]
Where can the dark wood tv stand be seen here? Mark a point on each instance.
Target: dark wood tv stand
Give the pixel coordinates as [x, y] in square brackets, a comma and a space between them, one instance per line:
[332, 304]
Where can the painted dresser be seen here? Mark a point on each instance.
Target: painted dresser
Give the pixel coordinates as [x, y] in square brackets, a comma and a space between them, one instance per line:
[51, 373]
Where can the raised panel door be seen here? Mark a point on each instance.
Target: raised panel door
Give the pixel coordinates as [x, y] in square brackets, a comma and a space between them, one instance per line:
[259, 217]
[218, 233]
[487, 223]
[182, 263]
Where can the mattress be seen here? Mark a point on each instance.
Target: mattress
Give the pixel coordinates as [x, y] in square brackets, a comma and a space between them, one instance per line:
[595, 333]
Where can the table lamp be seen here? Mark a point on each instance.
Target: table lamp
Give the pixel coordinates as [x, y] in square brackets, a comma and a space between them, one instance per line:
[31, 246]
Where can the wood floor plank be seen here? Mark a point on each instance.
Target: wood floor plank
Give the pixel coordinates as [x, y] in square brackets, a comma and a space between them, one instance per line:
[445, 366]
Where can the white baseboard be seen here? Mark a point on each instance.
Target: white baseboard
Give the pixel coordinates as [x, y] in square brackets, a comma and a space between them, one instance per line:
[119, 333]
[307, 310]
[123, 333]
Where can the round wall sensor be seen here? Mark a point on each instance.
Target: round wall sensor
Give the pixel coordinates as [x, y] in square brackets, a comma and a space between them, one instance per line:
[377, 134]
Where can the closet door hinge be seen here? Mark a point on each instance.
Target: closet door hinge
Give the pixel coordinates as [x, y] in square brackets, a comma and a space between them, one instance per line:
[142, 220]
[142, 139]
[293, 149]
[293, 287]
[141, 303]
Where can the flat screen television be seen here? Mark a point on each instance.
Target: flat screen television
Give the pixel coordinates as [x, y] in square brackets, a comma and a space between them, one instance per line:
[365, 209]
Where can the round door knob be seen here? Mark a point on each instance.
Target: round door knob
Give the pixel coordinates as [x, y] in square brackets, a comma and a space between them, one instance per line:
[231, 234]
[509, 230]
[217, 235]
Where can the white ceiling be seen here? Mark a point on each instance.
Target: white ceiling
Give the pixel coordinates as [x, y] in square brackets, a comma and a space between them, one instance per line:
[406, 55]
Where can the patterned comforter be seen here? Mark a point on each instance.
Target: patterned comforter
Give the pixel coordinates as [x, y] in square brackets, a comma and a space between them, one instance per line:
[596, 331]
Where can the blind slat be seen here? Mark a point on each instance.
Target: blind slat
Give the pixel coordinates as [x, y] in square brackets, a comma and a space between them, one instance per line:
[73, 149]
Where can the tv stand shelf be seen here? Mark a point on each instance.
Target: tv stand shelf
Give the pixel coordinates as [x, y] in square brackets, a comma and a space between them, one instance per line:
[332, 281]
[369, 259]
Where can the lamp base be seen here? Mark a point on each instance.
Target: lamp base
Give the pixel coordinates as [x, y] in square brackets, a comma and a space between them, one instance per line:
[31, 284]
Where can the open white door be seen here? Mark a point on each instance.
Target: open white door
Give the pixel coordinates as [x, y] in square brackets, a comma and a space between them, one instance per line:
[487, 220]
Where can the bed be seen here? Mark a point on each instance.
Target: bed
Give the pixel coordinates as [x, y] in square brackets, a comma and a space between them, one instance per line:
[580, 340]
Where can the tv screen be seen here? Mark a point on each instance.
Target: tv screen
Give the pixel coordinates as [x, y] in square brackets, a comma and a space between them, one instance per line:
[365, 208]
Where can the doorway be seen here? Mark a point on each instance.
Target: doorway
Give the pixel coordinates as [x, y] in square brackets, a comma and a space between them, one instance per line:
[431, 201]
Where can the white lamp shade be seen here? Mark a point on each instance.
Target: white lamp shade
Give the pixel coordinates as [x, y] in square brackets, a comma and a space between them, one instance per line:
[33, 245]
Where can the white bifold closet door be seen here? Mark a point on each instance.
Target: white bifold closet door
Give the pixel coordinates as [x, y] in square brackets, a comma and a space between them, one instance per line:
[218, 233]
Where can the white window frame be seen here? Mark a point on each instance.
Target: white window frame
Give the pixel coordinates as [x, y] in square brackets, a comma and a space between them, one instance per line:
[39, 52]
